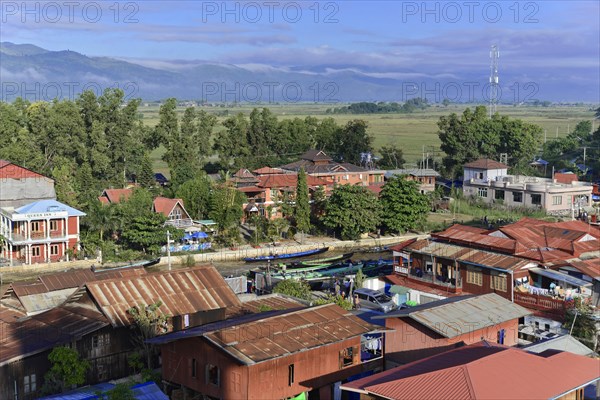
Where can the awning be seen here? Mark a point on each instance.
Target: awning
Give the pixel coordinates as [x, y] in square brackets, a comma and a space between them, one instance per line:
[397, 289]
[559, 276]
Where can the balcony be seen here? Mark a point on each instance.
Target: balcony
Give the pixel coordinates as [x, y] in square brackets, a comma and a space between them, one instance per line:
[440, 280]
[543, 303]
[37, 236]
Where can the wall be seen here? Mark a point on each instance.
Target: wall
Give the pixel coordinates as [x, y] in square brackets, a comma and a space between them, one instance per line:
[485, 286]
[412, 341]
[313, 368]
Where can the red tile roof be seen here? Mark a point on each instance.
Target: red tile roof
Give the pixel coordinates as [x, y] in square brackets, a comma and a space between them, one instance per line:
[115, 195]
[483, 371]
[529, 238]
[289, 181]
[9, 170]
[268, 171]
[164, 205]
[486, 163]
[565, 178]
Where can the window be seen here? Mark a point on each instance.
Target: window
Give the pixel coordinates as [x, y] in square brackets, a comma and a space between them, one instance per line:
[100, 340]
[193, 371]
[482, 192]
[556, 200]
[53, 249]
[547, 327]
[35, 251]
[54, 225]
[536, 199]
[498, 282]
[474, 277]
[29, 382]
[346, 357]
[290, 374]
[186, 320]
[35, 226]
[518, 197]
[481, 175]
[213, 375]
[499, 195]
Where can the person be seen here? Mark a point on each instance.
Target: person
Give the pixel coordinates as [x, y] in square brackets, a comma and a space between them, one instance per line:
[356, 302]
[337, 287]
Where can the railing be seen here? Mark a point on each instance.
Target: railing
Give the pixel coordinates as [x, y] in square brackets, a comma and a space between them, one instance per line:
[180, 222]
[57, 234]
[542, 303]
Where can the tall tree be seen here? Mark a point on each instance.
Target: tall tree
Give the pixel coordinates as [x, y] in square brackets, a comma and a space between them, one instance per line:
[391, 157]
[403, 206]
[227, 212]
[353, 140]
[352, 211]
[196, 195]
[146, 174]
[231, 143]
[302, 210]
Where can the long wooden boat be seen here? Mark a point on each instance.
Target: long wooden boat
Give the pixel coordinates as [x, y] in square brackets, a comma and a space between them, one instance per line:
[287, 256]
[321, 261]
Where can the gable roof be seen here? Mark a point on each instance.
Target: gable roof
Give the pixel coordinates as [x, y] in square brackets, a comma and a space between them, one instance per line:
[289, 181]
[561, 343]
[315, 155]
[8, 170]
[115, 195]
[289, 333]
[268, 171]
[165, 206]
[483, 371]
[183, 291]
[459, 315]
[485, 163]
[43, 206]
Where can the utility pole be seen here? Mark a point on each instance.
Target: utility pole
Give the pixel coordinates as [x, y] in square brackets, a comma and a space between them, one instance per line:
[169, 249]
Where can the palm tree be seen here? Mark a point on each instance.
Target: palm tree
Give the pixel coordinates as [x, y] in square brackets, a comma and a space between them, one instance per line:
[102, 218]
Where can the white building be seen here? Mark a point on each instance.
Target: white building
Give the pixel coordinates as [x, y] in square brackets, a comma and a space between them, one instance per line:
[489, 180]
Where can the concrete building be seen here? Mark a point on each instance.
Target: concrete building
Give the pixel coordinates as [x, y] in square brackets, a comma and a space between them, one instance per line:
[489, 181]
[20, 186]
[40, 232]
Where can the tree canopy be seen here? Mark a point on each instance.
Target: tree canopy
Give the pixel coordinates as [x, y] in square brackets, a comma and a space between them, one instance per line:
[352, 211]
[403, 206]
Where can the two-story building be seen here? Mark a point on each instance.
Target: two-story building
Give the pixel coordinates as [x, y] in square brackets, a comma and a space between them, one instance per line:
[278, 354]
[424, 177]
[318, 164]
[488, 180]
[40, 232]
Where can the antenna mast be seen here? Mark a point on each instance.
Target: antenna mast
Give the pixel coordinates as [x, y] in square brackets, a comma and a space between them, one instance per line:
[494, 55]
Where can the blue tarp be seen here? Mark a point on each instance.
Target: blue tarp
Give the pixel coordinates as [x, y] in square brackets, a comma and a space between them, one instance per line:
[199, 235]
[142, 391]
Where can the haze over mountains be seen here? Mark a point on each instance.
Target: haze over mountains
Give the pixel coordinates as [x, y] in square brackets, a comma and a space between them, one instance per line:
[35, 73]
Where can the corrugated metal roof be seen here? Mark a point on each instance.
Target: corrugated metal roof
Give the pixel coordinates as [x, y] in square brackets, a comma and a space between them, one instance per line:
[483, 371]
[31, 335]
[562, 343]
[486, 163]
[291, 332]
[456, 316]
[466, 254]
[185, 291]
[42, 206]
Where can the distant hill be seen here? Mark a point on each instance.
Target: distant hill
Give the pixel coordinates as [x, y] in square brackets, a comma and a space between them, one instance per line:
[30, 71]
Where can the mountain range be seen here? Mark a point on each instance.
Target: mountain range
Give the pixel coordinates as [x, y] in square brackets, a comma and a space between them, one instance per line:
[35, 73]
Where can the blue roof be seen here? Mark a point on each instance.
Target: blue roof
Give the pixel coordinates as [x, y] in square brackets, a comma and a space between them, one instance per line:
[148, 391]
[43, 206]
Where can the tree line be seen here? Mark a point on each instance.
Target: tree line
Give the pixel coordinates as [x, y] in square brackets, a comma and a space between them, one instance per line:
[409, 106]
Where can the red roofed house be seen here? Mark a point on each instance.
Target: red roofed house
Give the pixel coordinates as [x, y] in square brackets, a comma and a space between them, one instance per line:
[272, 189]
[174, 210]
[484, 371]
[278, 354]
[489, 181]
[114, 196]
[427, 329]
[22, 186]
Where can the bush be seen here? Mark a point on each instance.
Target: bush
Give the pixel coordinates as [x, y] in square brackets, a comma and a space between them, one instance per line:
[341, 301]
[298, 289]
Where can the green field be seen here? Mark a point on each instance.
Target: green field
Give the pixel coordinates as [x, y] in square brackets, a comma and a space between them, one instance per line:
[408, 131]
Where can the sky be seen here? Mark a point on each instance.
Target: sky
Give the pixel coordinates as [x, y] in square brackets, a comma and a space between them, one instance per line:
[540, 41]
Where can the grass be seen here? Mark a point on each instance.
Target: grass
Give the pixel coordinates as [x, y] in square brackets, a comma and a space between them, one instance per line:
[410, 132]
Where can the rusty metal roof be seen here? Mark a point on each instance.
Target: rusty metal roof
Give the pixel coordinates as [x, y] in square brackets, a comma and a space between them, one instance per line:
[30, 335]
[456, 316]
[262, 304]
[291, 332]
[184, 291]
[469, 255]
